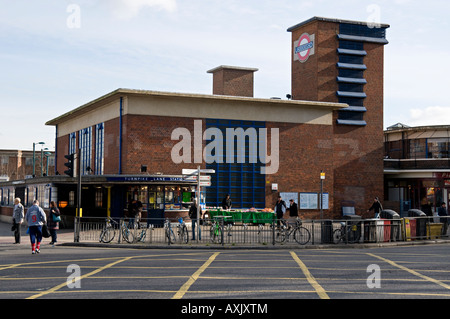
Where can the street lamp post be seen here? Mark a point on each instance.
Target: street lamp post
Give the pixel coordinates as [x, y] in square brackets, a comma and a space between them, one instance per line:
[42, 160]
[34, 156]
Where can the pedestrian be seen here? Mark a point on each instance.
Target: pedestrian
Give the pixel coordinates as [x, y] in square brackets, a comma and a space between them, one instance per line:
[377, 207]
[293, 208]
[18, 215]
[35, 218]
[193, 217]
[442, 211]
[226, 202]
[426, 208]
[53, 222]
[280, 209]
[138, 213]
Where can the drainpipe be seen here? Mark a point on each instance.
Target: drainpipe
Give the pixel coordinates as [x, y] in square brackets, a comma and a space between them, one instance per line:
[120, 135]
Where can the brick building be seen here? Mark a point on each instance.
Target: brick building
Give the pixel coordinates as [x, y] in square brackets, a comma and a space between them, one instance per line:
[417, 167]
[18, 164]
[132, 143]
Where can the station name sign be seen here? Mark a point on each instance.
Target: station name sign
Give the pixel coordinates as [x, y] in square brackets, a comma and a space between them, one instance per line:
[146, 179]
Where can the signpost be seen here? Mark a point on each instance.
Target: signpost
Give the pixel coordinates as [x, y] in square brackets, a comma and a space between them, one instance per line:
[322, 178]
[195, 174]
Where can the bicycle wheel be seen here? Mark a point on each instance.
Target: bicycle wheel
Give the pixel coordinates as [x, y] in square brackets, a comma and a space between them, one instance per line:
[170, 236]
[216, 234]
[107, 235]
[184, 235]
[302, 235]
[128, 235]
[337, 236]
[280, 235]
[353, 235]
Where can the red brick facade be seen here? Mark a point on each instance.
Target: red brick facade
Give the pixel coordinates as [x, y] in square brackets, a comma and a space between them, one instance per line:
[357, 151]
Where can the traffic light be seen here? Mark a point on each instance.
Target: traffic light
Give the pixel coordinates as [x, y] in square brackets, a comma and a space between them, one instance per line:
[70, 165]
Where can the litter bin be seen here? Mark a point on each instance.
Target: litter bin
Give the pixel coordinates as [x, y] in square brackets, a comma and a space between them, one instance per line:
[420, 223]
[327, 232]
[354, 225]
[392, 225]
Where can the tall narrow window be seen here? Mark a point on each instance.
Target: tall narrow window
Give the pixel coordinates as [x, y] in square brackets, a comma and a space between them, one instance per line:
[99, 149]
[85, 138]
[73, 143]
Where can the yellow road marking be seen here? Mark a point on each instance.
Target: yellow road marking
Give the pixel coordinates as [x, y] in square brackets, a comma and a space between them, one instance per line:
[51, 290]
[415, 273]
[180, 293]
[317, 287]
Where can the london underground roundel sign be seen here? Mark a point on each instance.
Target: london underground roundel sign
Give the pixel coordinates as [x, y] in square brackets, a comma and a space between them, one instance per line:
[304, 47]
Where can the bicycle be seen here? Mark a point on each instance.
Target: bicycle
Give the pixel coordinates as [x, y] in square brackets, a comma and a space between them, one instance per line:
[215, 233]
[182, 231]
[108, 233]
[348, 233]
[142, 234]
[127, 234]
[170, 235]
[284, 231]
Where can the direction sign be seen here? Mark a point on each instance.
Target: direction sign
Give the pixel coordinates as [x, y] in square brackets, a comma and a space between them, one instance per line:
[189, 171]
[203, 178]
[206, 183]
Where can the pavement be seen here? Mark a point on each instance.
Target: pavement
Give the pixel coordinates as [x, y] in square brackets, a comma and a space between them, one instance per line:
[66, 238]
[7, 236]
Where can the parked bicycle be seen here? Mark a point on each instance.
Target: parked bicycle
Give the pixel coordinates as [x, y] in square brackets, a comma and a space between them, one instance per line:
[170, 235]
[141, 235]
[182, 231]
[108, 233]
[285, 230]
[215, 233]
[347, 233]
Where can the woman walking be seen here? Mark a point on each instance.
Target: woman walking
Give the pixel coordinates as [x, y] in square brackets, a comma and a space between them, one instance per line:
[53, 222]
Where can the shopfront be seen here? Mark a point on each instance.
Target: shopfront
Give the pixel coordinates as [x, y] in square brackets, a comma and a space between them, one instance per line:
[102, 196]
[425, 194]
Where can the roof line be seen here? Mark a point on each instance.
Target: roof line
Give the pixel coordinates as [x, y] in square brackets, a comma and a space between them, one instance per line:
[122, 91]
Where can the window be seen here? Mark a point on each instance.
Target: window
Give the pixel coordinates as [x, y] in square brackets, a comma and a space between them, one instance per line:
[85, 138]
[438, 148]
[239, 175]
[73, 143]
[417, 148]
[99, 197]
[99, 148]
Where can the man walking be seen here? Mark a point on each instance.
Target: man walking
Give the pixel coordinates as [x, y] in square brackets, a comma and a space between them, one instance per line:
[35, 218]
[18, 215]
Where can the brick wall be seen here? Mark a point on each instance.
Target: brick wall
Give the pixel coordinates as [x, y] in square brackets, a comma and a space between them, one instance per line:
[148, 142]
[305, 150]
[357, 152]
[233, 81]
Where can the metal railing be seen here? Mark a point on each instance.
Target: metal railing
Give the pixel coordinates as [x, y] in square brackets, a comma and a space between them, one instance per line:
[215, 232]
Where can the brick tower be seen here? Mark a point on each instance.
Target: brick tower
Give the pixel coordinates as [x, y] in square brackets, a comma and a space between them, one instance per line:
[342, 61]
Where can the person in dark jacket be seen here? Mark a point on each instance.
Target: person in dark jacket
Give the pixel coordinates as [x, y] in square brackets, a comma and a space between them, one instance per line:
[226, 202]
[442, 211]
[18, 215]
[193, 217]
[52, 222]
[293, 209]
[377, 207]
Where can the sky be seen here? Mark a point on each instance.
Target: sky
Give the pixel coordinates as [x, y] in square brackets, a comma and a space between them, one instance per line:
[56, 55]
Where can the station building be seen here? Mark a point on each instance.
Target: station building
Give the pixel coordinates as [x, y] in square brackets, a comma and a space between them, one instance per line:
[133, 144]
[417, 167]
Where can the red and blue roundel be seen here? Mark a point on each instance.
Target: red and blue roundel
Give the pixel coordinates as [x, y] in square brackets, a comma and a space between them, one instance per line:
[304, 47]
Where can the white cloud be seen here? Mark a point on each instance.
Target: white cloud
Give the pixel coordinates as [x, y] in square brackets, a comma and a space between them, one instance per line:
[432, 115]
[128, 9]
